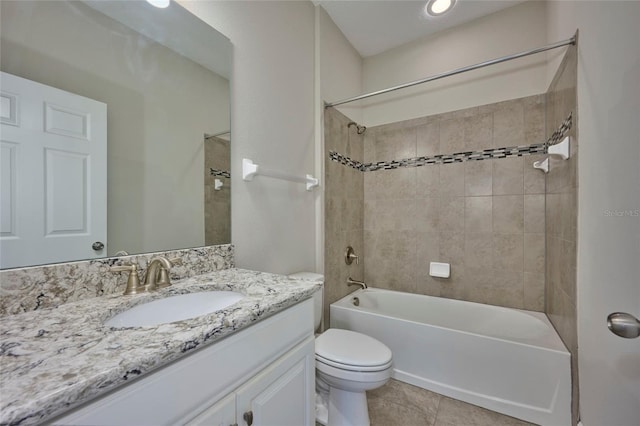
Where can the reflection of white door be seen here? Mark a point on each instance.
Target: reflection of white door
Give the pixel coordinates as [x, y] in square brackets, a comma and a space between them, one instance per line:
[53, 171]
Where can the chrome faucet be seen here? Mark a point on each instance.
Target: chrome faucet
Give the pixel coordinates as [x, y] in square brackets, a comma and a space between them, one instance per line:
[351, 281]
[157, 275]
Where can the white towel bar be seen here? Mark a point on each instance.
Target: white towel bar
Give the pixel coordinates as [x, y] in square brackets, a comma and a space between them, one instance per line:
[250, 169]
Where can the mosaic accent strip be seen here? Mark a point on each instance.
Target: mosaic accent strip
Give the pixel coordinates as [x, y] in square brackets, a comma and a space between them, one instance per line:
[223, 173]
[558, 135]
[459, 157]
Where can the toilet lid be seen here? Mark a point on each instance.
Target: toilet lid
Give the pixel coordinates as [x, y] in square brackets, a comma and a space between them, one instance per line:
[351, 348]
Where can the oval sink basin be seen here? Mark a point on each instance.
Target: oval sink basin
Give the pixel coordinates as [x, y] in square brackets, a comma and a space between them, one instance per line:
[174, 308]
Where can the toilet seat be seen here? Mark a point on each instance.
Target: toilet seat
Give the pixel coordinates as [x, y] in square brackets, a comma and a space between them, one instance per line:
[352, 351]
[353, 376]
[350, 367]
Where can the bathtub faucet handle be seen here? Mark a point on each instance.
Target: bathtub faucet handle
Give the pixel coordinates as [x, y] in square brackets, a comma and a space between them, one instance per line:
[350, 255]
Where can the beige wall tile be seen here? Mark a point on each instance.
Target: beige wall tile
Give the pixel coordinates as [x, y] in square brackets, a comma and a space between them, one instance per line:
[567, 265]
[428, 250]
[534, 213]
[478, 214]
[390, 184]
[508, 252]
[534, 179]
[534, 119]
[534, 291]
[451, 137]
[353, 184]
[391, 260]
[508, 176]
[478, 178]
[395, 145]
[508, 214]
[452, 213]
[472, 215]
[428, 140]
[508, 125]
[478, 250]
[452, 180]
[534, 246]
[391, 215]
[427, 214]
[356, 145]
[552, 215]
[454, 287]
[478, 132]
[428, 181]
[508, 289]
[369, 150]
[480, 280]
[452, 248]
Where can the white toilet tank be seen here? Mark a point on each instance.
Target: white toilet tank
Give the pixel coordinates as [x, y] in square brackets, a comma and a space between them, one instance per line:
[317, 296]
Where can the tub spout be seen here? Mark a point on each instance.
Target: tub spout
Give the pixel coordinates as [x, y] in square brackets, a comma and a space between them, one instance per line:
[351, 281]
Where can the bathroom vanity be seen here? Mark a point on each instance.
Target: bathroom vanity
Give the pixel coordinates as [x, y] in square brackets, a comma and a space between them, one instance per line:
[251, 363]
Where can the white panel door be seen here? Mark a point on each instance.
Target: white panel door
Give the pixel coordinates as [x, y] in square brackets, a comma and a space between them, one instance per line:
[53, 203]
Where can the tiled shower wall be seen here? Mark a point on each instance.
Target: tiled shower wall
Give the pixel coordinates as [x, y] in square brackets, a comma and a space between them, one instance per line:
[485, 218]
[217, 203]
[561, 217]
[344, 208]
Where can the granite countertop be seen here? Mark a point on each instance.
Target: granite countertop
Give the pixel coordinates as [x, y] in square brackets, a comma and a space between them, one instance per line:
[54, 359]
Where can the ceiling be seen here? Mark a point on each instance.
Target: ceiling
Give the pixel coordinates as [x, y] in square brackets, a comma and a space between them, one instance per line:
[373, 26]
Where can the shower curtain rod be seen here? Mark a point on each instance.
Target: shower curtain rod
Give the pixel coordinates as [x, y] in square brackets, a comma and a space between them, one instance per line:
[571, 40]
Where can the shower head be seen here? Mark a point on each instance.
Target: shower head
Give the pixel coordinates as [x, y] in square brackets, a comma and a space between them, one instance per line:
[359, 129]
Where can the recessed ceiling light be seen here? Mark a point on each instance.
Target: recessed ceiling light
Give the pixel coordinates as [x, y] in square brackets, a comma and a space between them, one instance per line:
[159, 3]
[438, 7]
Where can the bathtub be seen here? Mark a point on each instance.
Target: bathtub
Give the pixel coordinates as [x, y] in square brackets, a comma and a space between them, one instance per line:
[506, 360]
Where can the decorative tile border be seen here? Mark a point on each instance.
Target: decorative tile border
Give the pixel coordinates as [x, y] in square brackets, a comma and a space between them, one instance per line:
[558, 135]
[223, 173]
[459, 157]
[37, 287]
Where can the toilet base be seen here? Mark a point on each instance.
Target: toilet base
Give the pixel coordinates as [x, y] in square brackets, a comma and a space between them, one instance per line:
[348, 408]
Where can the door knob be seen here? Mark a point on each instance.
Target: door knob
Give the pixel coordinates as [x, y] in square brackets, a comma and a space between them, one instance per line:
[97, 246]
[624, 325]
[248, 417]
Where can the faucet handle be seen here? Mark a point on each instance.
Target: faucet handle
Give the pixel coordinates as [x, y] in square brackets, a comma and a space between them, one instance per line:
[350, 255]
[133, 282]
[164, 279]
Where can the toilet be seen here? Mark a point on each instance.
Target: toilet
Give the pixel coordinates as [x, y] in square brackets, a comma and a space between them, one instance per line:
[347, 365]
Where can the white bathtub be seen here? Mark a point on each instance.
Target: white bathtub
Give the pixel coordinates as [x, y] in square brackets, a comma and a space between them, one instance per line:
[507, 360]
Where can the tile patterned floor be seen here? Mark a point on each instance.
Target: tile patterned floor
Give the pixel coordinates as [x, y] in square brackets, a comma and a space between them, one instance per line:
[401, 404]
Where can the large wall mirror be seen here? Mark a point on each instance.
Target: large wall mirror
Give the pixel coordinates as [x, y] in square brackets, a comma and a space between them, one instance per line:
[115, 131]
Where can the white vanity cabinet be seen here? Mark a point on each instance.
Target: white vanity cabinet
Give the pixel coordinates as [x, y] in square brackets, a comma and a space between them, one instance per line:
[262, 375]
[277, 396]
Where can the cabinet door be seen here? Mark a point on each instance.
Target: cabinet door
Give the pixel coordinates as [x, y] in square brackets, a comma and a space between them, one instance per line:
[222, 413]
[282, 394]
